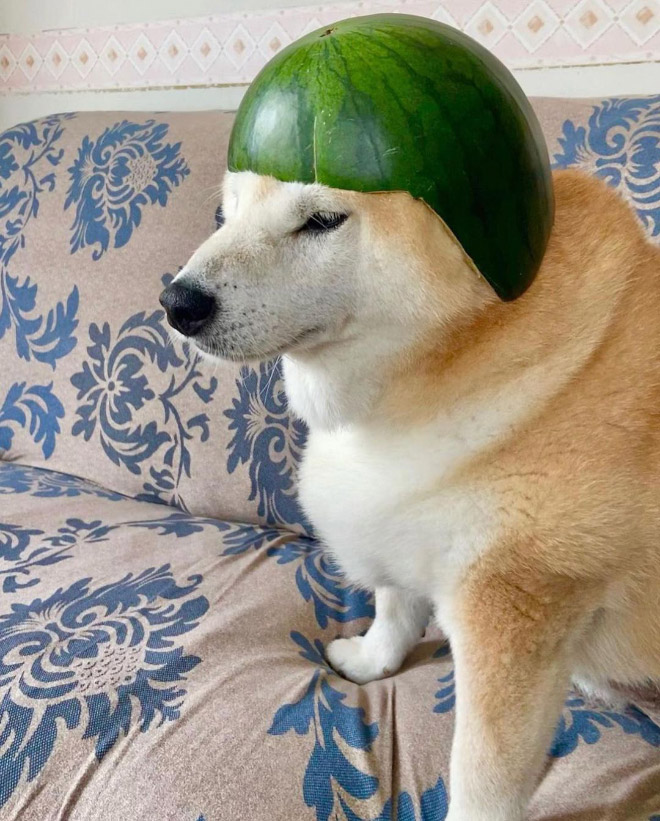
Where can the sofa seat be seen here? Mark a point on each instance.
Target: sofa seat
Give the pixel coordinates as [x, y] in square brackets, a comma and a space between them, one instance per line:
[159, 665]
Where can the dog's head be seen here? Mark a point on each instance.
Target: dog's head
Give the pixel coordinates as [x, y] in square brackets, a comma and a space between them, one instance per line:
[299, 267]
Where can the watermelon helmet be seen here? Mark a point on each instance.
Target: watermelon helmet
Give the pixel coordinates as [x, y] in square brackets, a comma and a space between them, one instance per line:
[394, 102]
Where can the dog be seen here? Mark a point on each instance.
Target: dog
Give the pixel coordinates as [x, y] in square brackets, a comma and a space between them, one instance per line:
[495, 464]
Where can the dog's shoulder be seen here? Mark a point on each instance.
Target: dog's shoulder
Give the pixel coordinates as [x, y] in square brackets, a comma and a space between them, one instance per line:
[595, 223]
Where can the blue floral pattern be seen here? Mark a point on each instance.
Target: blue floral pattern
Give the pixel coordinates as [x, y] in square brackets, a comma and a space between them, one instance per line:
[620, 144]
[19, 557]
[332, 784]
[48, 484]
[270, 440]
[98, 659]
[319, 581]
[323, 707]
[36, 410]
[113, 388]
[26, 151]
[446, 695]
[129, 166]
[579, 723]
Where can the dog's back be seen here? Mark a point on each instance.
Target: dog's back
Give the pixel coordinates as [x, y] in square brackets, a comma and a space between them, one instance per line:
[605, 430]
[583, 472]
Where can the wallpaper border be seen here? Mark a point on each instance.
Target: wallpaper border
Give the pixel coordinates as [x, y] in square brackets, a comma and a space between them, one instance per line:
[229, 49]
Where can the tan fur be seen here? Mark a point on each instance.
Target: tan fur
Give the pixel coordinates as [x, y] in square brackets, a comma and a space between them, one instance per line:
[573, 586]
[578, 483]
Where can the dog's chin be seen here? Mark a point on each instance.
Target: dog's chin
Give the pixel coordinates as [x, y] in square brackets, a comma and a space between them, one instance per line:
[214, 353]
[216, 350]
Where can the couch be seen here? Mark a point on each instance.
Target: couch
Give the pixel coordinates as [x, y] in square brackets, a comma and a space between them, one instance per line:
[164, 607]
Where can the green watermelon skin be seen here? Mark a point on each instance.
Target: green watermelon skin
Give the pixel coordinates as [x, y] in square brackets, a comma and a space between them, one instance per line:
[394, 102]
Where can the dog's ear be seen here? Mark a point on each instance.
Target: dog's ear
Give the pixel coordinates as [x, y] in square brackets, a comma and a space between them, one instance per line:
[229, 201]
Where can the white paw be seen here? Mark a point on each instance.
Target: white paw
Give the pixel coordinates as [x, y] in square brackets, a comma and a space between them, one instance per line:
[356, 660]
[471, 815]
[458, 812]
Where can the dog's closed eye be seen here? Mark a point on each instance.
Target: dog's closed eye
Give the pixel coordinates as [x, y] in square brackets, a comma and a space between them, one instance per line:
[322, 221]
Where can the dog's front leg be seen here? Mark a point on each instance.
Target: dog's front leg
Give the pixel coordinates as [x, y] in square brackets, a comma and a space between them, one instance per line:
[399, 624]
[510, 640]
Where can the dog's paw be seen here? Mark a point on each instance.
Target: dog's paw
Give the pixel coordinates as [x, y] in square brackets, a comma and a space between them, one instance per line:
[356, 660]
[486, 815]
[480, 808]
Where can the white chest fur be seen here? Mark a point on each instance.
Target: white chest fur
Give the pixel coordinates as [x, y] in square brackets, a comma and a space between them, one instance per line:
[386, 501]
[387, 511]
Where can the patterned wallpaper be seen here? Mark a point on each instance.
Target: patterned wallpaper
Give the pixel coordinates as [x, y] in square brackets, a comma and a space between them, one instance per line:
[228, 49]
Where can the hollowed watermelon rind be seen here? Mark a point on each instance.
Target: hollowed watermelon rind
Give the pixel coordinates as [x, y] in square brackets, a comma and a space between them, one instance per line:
[394, 102]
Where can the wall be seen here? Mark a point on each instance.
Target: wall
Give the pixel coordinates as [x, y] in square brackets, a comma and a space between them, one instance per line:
[86, 54]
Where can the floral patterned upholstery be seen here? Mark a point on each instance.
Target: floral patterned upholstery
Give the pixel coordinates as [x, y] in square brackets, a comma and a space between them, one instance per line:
[97, 213]
[164, 607]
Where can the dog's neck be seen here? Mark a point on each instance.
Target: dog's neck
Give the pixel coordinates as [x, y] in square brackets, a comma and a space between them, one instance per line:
[339, 385]
[507, 358]
[481, 390]
[392, 382]
[399, 380]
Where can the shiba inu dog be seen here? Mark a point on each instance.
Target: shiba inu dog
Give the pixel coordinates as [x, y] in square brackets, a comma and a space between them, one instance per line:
[497, 464]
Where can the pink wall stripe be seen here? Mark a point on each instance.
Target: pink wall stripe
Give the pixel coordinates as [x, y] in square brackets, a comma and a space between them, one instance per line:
[229, 49]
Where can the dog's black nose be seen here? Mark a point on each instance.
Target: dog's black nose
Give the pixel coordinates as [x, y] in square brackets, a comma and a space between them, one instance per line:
[188, 309]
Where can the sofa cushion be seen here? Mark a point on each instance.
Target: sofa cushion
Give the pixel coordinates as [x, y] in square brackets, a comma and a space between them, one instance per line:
[97, 211]
[154, 664]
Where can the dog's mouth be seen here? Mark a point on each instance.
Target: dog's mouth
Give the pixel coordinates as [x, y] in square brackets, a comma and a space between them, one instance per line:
[215, 349]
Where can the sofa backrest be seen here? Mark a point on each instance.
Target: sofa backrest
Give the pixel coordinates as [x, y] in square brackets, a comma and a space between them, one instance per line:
[97, 212]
